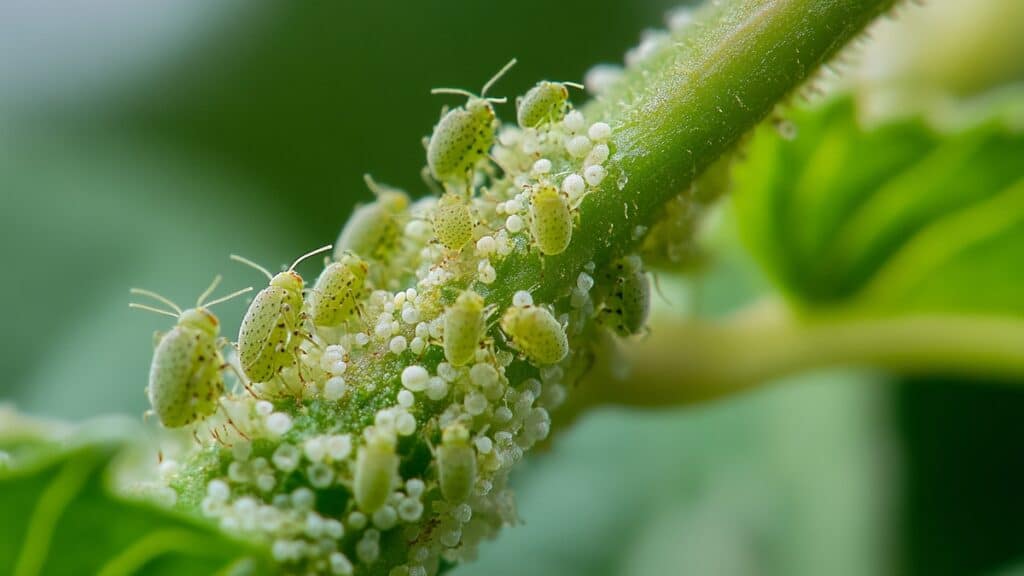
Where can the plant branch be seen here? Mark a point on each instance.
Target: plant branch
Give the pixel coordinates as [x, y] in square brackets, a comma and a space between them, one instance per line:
[679, 110]
[684, 362]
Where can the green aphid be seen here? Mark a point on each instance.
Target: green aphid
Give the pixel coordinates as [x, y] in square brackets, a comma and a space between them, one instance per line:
[376, 470]
[536, 333]
[453, 222]
[544, 103]
[551, 221]
[374, 230]
[464, 324]
[464, 135]
[628, 303]
[337, 293]
[272, 329]
[185, 380]
[456, 464]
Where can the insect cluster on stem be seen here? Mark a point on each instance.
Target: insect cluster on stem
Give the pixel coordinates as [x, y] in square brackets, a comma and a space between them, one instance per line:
[377, 413]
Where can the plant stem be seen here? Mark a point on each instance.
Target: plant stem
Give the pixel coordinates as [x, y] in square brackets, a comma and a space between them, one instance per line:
[679, 110]
[685, 362]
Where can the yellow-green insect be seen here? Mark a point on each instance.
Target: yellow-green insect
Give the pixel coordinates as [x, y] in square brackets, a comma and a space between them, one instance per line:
[272, 329]
[376, 469]
[374, 230]
[456, 464]
[536, 333]
[464, 323]
[338, 291]
[628, 303]
[551, 221]
[464, 135]
[545, 102]
[453, 223]
[185, 378]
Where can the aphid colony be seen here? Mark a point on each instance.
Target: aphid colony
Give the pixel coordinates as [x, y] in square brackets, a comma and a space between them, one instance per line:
[378, 412]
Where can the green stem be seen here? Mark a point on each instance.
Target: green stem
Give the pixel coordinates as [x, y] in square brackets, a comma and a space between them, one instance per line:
[677, 112]
[694, 361]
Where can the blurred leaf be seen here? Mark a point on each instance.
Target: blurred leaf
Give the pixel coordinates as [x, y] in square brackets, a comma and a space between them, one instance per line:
[896, 217]
[61, 518]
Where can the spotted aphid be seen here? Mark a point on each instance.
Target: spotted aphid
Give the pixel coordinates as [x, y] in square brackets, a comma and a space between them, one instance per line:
[464, 135]
[536, 333]
[376, 470]
[453, 223]
[550, 219]
[272, 329]
[185, 378]
[628, 303]
[464, 323]
[374, 230]
[545, 102]
[338, 291]
[456, 463]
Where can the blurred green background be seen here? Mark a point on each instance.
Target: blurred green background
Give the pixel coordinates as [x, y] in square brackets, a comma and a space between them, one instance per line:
[141, 143]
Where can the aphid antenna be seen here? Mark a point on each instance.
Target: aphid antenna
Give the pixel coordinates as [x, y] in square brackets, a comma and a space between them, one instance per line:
[252, 264]
[496, 77]
[152, 309]
[319, 250]
[575, 85]
[209, 290]
[456, 91]
[223, 299]
[157, 297]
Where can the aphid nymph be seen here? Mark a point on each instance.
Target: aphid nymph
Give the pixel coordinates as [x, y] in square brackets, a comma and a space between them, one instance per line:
[464, 135]
[374, 230]
[376, 469]
[272, 329]
[628, 303]
[338, 290]
[551, 221]
[185, 378]
[464, 323]
[544, 103]
[453, 222]
[456, 463]
[536, 333]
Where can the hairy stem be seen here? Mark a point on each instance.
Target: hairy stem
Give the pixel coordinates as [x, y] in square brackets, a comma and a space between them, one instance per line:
[678, 111]
[685, 362]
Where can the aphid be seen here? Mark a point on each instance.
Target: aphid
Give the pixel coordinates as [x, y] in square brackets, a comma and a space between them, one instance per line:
[272, 329]
[545, 102]
[338, 291]
[374, 230]
[463, 328]
[464, 135]
[536, 333]
[550, 220]
[629, 301]
[456, 464]
[453, 223]
[185, 378]
[376, 468]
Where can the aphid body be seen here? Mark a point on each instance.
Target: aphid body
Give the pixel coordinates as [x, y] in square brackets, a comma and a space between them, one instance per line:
[272, 329]
[338, 291]
[550, 220]
[536, 333]
[453, 223]
[628, 303]
[185, 378]
[464, 135]
[545, 102]
[374, 230]
[376, 469]
[456, 464]
[464, 323]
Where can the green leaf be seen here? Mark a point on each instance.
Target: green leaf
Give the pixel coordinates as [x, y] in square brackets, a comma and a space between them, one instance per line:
[900, 216]
[60, 517]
